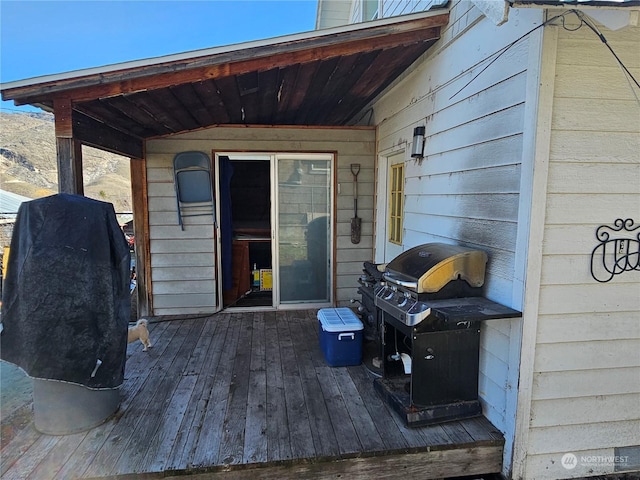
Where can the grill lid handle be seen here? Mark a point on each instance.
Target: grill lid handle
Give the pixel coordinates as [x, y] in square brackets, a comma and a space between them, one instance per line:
[403, 283]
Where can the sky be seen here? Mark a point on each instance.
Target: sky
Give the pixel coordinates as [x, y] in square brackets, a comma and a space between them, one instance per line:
[41, 37]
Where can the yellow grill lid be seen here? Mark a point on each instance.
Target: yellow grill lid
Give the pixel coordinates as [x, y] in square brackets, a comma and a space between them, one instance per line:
[428, 268]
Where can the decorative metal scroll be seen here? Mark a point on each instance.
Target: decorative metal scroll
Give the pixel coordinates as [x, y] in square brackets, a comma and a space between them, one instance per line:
[617, 252]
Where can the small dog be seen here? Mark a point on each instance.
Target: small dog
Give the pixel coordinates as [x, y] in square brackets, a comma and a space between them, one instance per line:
[140, 332]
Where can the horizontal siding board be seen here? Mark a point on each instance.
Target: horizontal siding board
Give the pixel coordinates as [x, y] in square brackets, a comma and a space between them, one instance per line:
[444, 73]
[589, 114]
[181, 310]
[499, 289]
[347, 269]
[344, 216]
[494, 394]
[498, 235]
[159, 174]
[181, 246]
[588, 355]
[345, 202]
[502, 179]
[162, 189]
[200, 301]
[595, 297]
[347, 254]
[579, 327]
[550, 466]
[591, 81]
[192, 232]
[579, 239]
[594, 147]
[182, 259]
[502, 325]
[560, 207]
[163, 204]
[468, 107]
[571, 54]
[502, 124]
[574, 269]
[586, 436]
[206, 286]
[595, 178]
[255, 145]
[506, 94]
[598, 408]
[397, 126]
[581, 383]
[494, 153]
[486, 206]
[170, 218]
[495, 344]
[179, 274]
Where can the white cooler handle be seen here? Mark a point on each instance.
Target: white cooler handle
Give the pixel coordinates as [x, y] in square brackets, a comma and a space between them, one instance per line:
[350, 335]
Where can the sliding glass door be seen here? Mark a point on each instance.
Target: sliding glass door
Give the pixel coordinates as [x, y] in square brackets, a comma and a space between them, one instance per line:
[303, 218]
[274, 237]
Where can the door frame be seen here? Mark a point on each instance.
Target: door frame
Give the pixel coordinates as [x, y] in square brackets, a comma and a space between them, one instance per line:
[273, 159]
[382, 202]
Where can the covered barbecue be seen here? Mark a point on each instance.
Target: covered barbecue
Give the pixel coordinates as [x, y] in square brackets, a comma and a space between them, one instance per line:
[431, 308]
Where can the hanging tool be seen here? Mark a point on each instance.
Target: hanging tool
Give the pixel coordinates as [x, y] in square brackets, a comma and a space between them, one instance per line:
[356, 222]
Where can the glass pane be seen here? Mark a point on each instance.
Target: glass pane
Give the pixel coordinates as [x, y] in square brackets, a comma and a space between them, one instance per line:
[304, 230]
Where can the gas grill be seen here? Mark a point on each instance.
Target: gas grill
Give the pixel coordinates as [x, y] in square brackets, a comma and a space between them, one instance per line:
[432, 307]
[369, 281]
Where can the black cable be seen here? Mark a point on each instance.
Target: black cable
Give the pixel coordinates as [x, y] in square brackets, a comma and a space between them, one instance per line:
[602, 38]
[195, 317]
[505, 49]
[562, 15]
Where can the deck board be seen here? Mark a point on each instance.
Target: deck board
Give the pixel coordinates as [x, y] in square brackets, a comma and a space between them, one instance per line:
[209, 344]
[278, 444]
[235, 394]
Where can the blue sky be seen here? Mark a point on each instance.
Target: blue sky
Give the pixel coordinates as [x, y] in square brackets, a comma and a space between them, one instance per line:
[44, 37]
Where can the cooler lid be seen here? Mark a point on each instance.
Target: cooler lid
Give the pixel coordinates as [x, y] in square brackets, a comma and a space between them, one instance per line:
[339, 320]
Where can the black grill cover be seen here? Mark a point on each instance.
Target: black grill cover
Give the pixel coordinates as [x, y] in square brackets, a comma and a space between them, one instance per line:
[66, 296]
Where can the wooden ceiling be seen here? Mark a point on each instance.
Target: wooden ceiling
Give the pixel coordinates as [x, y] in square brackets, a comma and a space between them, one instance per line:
[320, 79]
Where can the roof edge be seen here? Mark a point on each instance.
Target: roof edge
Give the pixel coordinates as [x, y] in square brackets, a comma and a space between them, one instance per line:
[212, 51]
[583, 4]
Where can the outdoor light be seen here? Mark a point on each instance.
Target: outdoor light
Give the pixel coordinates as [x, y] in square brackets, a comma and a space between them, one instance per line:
[418, 142]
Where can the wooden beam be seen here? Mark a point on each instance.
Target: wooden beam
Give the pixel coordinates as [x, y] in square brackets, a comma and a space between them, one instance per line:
[436, 464]
[69, 165]
[234, 62]
[98, 135]
[77, 166]
[138, 168]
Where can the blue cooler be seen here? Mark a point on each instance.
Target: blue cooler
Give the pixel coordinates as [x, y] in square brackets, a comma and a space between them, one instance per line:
[340, 336]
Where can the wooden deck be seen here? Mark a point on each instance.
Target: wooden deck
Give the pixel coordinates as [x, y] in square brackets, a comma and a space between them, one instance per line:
[249, 395]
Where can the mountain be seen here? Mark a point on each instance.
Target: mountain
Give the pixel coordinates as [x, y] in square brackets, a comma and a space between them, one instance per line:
[28, 162]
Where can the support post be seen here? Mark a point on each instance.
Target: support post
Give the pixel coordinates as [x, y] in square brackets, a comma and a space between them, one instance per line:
[69, 151]
[141, 234]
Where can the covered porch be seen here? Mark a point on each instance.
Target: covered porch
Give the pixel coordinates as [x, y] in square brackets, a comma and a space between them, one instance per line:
[248, 395]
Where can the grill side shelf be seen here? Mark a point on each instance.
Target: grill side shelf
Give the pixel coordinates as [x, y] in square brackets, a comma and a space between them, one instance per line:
[470, 309]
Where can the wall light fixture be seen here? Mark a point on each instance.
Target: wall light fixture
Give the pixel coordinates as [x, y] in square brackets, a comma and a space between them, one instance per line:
[417, 148]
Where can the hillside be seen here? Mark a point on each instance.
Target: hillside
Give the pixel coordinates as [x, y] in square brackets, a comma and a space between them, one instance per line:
[28, 162]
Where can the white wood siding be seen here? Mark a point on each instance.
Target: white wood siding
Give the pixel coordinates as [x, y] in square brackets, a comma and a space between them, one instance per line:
[332, 13]
[586, 371]
[182, 262]
[466, 189]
